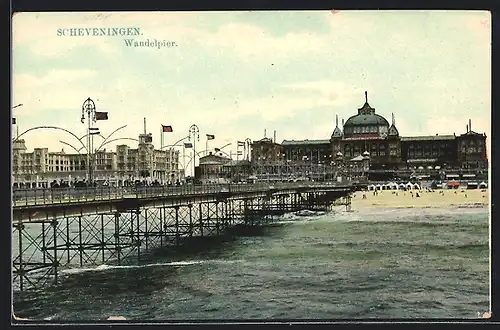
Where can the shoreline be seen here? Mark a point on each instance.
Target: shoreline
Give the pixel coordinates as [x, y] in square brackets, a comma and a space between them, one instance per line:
[398, 199]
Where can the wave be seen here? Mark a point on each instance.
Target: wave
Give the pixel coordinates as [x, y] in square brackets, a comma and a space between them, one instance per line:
[105, 267]
[427, 246]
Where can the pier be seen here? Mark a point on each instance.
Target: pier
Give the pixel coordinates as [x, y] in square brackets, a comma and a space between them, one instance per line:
[55, 229]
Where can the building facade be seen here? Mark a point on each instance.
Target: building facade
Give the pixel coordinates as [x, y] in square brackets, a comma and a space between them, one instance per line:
[369, 133]
[41, 167]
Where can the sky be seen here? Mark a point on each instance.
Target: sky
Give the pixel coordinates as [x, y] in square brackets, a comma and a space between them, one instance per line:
[237, 75]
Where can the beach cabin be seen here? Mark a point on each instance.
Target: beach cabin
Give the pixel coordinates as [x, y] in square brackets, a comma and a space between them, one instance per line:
[453, 184]
[416, 186]
[378, 187]
[483, 185]
[468, 176]
[409, 186]
[472, 185]
[371, 187]
[402, 186]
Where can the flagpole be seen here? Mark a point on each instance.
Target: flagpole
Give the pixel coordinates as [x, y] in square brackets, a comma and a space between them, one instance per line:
[162, 151]
[184, 159]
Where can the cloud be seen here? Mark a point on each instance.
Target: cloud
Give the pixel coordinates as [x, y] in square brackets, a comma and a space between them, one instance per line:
[55, 90]
[235, 77]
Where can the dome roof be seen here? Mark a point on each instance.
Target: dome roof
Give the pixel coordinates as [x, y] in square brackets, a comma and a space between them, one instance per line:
[369, 119]
[366, 116]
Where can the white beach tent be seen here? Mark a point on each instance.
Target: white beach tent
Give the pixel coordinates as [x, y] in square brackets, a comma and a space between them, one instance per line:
[416, 186]
[483, 185]
[378, 187]
[392, 185]
[402, 186]
[371, 187]
[409, 186]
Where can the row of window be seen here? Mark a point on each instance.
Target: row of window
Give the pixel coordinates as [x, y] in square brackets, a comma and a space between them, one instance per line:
[357, 147]
[362, 129]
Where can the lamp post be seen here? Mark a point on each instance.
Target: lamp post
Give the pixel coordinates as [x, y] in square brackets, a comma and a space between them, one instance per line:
[194, 131]
[88, 107]
[171, 148]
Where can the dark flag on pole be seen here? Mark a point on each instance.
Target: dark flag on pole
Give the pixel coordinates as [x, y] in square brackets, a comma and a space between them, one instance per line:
[210, 136]
[217, 149]
[166, 128]
[13, 121]
[188, 145]
[101, 115]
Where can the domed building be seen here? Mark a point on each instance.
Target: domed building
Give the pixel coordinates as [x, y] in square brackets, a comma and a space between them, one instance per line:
[368, 133]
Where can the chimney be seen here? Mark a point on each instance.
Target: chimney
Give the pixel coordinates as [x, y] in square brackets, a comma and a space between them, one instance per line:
[274, 136]
[144, 125]
[265, 132]
[466, 128]
[470, 125]
[342, 122]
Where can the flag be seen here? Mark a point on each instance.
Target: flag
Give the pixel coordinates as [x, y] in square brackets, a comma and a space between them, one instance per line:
[216, 149]
[188, 145]
[94, 128]
[210, 136]
[101, 115]
[241, 143]
[13, 121]
[95, 133]
[240, 153]
[167, 128]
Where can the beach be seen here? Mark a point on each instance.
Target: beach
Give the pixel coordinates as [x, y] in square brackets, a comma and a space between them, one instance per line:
[426, 199]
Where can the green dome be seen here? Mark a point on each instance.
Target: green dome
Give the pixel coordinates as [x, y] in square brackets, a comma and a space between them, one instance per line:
[368, 119]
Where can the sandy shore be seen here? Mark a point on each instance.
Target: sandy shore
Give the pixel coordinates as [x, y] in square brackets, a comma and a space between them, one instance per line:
[437, 198]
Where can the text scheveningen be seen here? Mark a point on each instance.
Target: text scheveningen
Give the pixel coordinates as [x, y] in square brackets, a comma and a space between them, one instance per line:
[99, 32]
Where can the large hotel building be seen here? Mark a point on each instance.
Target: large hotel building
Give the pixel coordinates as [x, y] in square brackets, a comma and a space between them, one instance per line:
[41, 167]
[368, 135]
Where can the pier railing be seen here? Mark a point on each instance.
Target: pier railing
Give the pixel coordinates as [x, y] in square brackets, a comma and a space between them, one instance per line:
[48, 196]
